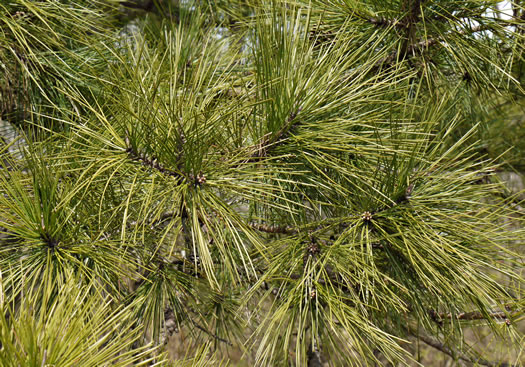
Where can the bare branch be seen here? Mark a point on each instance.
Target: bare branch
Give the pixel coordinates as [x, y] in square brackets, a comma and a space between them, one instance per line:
[151, 162]
[269, 140]
[421, 46]
[203, 329]
[274, 229]
[412, 8]
[474, 315]
[436, 344]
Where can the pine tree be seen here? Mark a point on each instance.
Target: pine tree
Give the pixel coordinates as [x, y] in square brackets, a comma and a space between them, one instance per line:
[306, 182]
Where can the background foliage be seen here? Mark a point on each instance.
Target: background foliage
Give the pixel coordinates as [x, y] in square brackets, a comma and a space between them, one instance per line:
[300, 182]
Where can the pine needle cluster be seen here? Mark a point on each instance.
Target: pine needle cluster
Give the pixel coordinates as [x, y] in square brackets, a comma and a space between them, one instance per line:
[305, 182]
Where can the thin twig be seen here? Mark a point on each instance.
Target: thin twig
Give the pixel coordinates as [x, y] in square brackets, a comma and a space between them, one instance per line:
[366, 216]
[386, 22]
[273, 229]
[425, 44]
[201, 328]
[151, 162]
[436, 344]
[269, 140]
[412, 8]
[140, 5]
[474, 315]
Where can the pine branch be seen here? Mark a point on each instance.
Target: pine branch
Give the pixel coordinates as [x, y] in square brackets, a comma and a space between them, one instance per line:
[423, 45]
[366, 216]
[139, 5]
[290, 123]
[273, 139]
[203, 329]
[170, 322]
[413, 10]
[516, 9]
[434, 343]
[314, 358]
[151, 162]
[274, 229]
[386, 22]
[474, 315]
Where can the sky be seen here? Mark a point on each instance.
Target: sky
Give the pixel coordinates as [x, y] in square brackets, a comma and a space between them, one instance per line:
[506, 9]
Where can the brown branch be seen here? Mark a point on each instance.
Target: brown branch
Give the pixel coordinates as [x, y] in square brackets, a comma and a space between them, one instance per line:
[413, 10]
[139, 5]
[151, 162]
[201, 328]
[367, 216]
[421, 46]
[385, 22]
[170, 322]
[436, 344]
[290, 122]
[402, 23]
[260, 150]
[474, 315]
[274, 229]
[314, 357]
[154, 223]
[516, 9]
